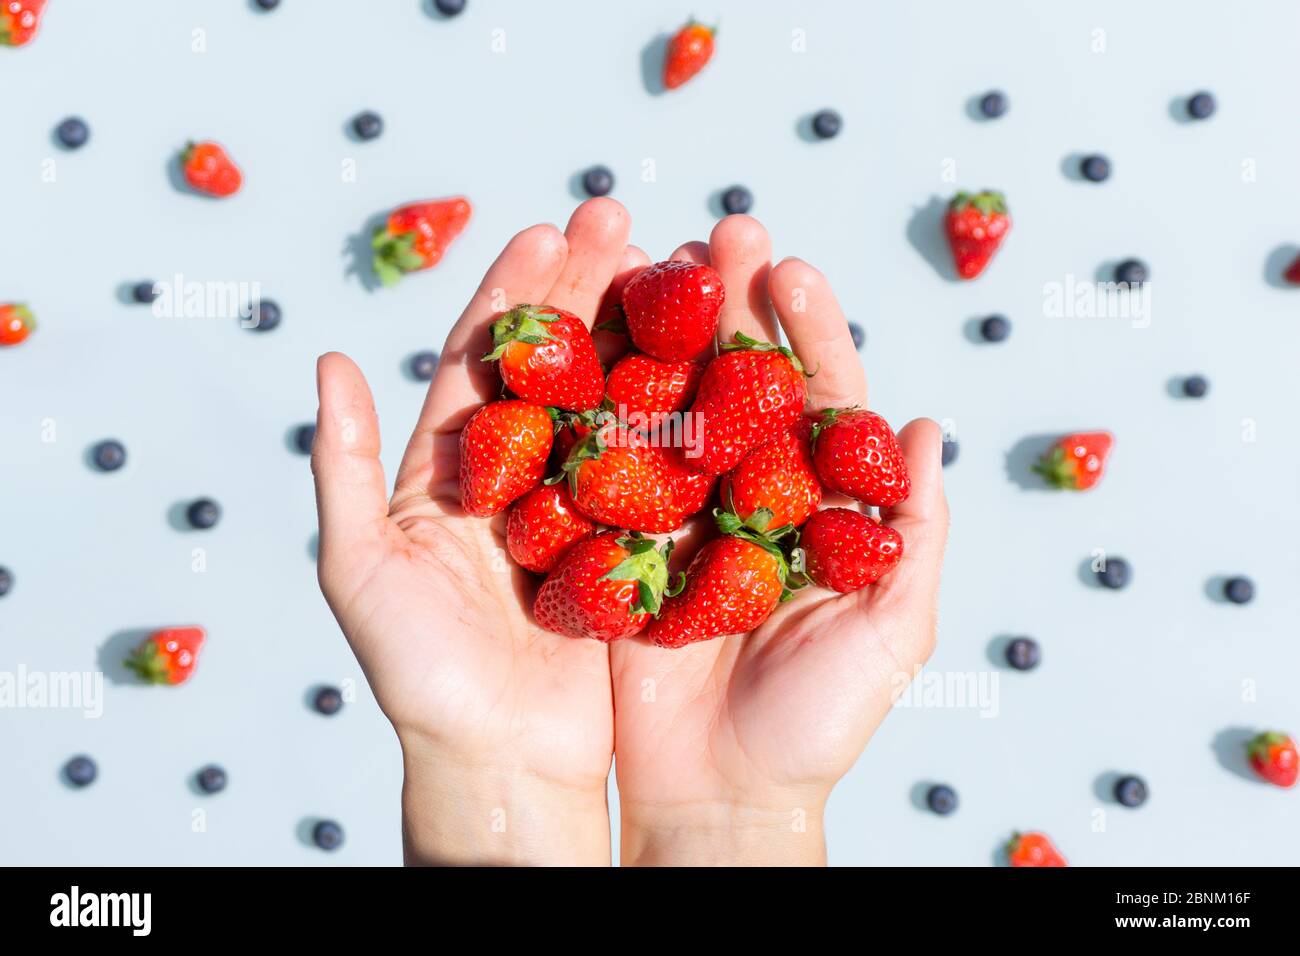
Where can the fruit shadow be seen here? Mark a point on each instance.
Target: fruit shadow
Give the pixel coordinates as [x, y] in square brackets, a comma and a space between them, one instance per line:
[1214, 589]
[177, 179]
[918, 794]
[1103, 787]
[996, 651]
[999, 857]
[358, 250]
[303, 831]
[1087, 576]
[1276, 264]
[803, 128]
[112, 654]
[652, 64]
[431, 10]
[576, 189]
[1072, 167]
[973, 111]
[925, 234]
[1021, 459]
[125, 293]
[1178, 111]
[1229, 748]
[178, 517]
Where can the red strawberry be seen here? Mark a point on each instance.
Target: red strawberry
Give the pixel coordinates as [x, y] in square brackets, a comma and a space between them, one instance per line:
[689, 50]
[1273, 756]
[777, 475]
[671, 309]
[209, 170]
[618, 478]
[604, 588]
[975, 226]
[167, 656]
[856, 453]
[19, 20]
[503, 450]
[16, 323]
[570, 430]
[845, 550]
[644, 389]
[1292, 273]
[691, 489]
[749, 393]
[1033, 849]
[416, 236]
[1077, 461]
[732, 585]
[547, 357]
[542, 525]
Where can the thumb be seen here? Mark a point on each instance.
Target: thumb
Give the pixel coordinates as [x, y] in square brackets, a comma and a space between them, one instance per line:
[351, 494]
[912, 589]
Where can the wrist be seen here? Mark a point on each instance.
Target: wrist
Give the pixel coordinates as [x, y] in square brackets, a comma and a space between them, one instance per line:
[782, 828]
[470, 812]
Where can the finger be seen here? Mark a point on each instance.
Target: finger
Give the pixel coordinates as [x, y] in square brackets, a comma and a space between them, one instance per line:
[611, 346]
[351, 495]
[819, 334]
[922, 520]
[597, 237]
[524, 272]
[741, 252]
[694, 251]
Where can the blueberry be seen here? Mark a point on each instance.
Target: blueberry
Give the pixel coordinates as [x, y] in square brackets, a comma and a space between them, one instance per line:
[598, 181]
[327, 835]
[264, 315]
[1239, 590]
[1023, 654]
[1114, 574]
[995, 328]
[211, 779]
[423, 365]
[993, 104]
[268, 4]
[80, 771]
[1095, 168]
[144, 292]
[1195, 386]
[1200, 105]
[737, 200]
[6, 581]
[368, 125]
[203, 513]
[449, 8]
[1131, 272]
[942, 800]
[73, 132]
[859, 336]
[109, 455]
[329, 701]
[826, 124]
[1131, 791]
[949, 453]
[303, 438]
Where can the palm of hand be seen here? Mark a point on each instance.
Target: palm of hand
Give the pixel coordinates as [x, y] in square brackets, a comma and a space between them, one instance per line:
[441, 620]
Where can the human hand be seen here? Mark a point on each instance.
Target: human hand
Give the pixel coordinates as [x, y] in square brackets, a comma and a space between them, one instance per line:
[728, 749]
[506, 730]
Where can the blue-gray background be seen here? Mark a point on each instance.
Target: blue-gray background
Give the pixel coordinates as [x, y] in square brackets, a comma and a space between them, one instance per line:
[1156, 679]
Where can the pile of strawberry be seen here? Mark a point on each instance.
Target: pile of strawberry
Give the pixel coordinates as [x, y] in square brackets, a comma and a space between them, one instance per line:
[590, 464]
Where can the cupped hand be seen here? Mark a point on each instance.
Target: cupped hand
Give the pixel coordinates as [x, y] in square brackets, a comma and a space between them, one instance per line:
[506, 730]
[726, 750]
